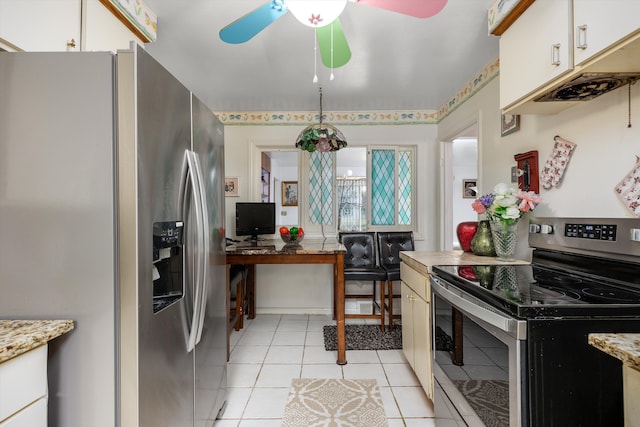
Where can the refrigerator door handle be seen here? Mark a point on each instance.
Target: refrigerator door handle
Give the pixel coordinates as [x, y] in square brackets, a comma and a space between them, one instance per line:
[190, 181]
[204, 258]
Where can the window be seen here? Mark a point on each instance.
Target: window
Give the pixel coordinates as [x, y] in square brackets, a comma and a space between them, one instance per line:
[352, 203]
[374, 188]
[320, 188]
[391, 186]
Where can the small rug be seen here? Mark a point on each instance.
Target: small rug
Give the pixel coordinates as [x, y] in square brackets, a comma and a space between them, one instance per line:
[334, 402]
[443, 340]
[364, 337]
[489, 398]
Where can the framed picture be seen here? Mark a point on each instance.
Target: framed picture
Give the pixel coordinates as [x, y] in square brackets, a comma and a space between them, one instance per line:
[469, 188]
[289, 193]
[509, 123]
[231, 187]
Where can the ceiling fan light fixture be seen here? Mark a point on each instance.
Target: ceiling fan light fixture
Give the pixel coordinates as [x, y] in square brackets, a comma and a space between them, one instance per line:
[316, 13]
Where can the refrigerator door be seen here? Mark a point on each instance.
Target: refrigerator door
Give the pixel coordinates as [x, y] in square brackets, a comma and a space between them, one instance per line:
[211, 351]
[57, 220]
[165, 366]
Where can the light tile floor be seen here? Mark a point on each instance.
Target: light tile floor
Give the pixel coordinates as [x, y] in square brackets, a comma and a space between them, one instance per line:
[271, 350]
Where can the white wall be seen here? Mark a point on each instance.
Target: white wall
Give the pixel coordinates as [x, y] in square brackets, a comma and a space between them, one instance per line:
[308, 288]
[605, 152]
[465, 166]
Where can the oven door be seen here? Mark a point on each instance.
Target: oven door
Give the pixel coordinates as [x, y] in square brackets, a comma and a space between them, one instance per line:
[480, 359]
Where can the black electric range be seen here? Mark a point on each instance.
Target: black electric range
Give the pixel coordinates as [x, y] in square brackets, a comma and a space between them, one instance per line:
[584, 278]
[536, 290]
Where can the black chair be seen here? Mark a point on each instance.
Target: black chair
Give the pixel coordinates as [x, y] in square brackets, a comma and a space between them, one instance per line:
[390, 244]
[360, 264]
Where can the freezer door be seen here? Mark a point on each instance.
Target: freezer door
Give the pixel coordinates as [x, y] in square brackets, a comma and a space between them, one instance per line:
[166, 376]
[211, 351]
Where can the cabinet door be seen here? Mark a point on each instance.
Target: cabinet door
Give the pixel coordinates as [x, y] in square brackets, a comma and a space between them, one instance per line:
[422, 345]
[406, 305]
[40, 25]
[535, 49]
[35, 415]
[600, 23]
[23, 380]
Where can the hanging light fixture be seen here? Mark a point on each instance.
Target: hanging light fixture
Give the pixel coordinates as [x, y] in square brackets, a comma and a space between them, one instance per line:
[320, 136]
[316, 13]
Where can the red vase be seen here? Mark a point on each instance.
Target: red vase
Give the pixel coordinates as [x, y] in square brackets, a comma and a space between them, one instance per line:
[465, 231]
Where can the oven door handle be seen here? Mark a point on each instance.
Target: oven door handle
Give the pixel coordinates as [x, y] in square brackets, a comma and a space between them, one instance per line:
[478, 309]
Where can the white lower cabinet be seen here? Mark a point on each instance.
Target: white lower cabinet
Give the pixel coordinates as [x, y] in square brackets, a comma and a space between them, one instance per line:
[23, 390]
[34, 415]
[416, 325]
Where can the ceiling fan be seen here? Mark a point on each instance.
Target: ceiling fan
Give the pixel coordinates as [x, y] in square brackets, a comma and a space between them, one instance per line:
[323, 16]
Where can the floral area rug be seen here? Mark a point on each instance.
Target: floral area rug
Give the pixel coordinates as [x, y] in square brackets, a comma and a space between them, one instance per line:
[489, 398]
[364, 337]
[334, 403]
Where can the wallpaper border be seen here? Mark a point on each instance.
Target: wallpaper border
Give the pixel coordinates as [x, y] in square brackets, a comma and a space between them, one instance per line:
[368, 118]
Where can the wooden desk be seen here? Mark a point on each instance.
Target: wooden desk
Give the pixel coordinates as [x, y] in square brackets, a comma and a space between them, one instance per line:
[311, 251]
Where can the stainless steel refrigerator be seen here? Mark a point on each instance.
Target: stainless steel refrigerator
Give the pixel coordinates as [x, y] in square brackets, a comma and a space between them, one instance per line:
[112, 214]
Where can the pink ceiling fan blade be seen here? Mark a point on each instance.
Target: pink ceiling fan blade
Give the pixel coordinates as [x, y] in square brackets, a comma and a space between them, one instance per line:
[417, 8]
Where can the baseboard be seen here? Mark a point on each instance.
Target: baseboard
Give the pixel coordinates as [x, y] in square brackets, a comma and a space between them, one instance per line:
[308, 311]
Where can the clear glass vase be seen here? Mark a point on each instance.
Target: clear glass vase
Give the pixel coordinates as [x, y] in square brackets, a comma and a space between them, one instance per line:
[505, 238]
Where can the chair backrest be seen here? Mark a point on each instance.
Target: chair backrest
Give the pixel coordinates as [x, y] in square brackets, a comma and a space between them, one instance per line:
[390, 243]
[361, 249]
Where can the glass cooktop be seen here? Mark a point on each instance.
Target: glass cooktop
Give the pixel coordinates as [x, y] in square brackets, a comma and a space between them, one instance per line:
[537, 291]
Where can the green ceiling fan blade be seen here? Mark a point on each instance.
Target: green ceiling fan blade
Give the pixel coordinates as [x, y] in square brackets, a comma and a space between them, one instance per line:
[341, 52]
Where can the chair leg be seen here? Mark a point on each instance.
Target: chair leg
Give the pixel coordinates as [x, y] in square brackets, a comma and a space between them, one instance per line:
[390, 295]
[373, 298]
[382, 308]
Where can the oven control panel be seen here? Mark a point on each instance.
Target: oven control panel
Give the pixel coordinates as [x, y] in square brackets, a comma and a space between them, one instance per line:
[592, 231]
[616, 238]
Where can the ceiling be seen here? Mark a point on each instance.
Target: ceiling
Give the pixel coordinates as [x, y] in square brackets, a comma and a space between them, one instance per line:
[398, 62]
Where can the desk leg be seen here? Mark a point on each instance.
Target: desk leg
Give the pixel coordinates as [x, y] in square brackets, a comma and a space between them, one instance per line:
[251, 290]
[338, 281]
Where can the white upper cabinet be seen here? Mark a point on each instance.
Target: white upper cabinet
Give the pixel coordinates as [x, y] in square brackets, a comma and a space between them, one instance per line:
[535, 49]
[49, 25]
[40, 25]
[555, 41]
[598, 24]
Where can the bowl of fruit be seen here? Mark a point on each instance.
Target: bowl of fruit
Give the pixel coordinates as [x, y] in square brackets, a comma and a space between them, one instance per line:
[291, 236]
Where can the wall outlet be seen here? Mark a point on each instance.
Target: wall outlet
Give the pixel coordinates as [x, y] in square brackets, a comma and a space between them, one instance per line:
[283, 213]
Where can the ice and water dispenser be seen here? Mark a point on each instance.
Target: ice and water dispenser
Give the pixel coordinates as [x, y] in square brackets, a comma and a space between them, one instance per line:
[168, 263]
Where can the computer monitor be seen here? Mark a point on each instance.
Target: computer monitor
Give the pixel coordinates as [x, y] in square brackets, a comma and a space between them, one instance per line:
[255, 218]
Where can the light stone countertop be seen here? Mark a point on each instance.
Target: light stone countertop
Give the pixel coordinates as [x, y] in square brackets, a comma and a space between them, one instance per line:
[423, 261]
[625, 347]
[20, 336]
